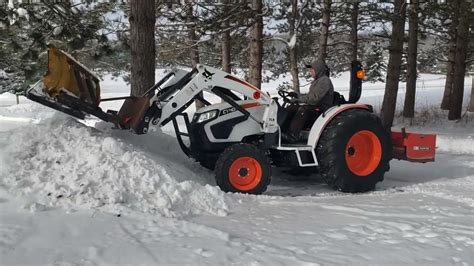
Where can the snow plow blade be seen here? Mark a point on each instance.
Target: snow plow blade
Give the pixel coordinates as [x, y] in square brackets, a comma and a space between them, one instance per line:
[414, 147]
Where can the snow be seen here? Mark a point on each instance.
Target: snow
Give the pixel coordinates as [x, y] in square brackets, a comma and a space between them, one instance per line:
[456, 145]
[22, 13]
[88, 169]
[292, 42]
[3, 74]
[81, 193]
[57, 30]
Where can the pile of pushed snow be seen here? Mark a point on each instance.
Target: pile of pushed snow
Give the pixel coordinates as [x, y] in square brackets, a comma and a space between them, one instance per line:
[28, 110]
[62, 162]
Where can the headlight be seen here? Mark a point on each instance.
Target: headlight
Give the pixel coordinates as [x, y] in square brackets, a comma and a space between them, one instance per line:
[206, 116]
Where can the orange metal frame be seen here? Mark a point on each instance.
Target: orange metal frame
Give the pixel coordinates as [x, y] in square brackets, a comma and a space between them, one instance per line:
[414, 147]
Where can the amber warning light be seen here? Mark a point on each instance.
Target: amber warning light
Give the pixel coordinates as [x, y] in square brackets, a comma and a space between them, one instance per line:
[360, 74]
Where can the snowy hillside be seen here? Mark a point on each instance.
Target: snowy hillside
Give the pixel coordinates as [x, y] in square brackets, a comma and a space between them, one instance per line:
[81, 193]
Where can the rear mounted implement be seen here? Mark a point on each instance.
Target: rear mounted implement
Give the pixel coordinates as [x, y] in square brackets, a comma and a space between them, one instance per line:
[413, 147]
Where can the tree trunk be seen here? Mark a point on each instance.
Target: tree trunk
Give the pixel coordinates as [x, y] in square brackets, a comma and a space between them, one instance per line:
[225, 42]
[448, 87]
[462, 41]
[324, 30]
[256, 46]
[292, 51]
[354, 30]
[394, 63]
[354, 36]
[192, 37]
[409, 106]
[193, 43]
[142, 45]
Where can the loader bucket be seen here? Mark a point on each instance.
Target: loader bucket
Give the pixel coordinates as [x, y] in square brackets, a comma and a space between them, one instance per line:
[69, 87]
[67, 75]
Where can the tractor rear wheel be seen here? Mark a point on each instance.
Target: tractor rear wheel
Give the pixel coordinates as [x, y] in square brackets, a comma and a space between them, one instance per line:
[354, 151]
[243, 168]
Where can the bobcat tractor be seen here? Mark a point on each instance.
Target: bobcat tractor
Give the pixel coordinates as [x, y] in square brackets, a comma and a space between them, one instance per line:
[240, 137]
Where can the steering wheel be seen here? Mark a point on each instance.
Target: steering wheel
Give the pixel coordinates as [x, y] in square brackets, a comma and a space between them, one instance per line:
[286, 96]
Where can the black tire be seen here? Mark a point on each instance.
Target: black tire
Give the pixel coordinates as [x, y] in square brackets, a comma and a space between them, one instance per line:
[334, 151]
[238, 153]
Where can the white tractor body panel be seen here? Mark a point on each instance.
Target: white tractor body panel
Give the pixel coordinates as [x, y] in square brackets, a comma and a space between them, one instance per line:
[239, 131]
[324, 119]
[315, 133]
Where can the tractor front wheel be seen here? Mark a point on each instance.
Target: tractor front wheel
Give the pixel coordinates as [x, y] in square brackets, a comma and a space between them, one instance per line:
[243, 168]
[354, 151]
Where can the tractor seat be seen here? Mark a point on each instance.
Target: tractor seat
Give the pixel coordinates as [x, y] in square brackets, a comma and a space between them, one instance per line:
[282, 115]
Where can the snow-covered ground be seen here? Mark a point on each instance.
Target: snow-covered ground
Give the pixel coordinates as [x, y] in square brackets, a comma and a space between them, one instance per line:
[81, 193]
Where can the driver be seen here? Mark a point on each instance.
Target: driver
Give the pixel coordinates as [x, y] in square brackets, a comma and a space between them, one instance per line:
[319, 98]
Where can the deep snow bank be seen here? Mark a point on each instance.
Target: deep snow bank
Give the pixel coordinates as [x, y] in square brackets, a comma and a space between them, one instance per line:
[61, 162]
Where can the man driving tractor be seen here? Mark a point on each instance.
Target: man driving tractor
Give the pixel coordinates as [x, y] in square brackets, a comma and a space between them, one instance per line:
[319, 98]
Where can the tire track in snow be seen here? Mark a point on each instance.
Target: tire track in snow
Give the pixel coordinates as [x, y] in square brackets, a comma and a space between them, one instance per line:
[142, 246]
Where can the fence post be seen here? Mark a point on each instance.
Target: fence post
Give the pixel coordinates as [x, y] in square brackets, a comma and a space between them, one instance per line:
[17, 99]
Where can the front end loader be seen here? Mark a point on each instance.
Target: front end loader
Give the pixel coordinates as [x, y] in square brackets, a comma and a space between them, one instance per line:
[240, 138]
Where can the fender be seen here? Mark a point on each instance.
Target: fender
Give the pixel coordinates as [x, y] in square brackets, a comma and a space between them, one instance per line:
[324, 119]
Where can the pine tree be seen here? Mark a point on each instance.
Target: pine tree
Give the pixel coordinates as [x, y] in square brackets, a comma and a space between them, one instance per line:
[27, 29]
[448, 88]
[211, 22]
[394, 63]
[409, 105]
[294, 21]
[226, 39]
[324, 30]
[288, 46]
[142, 43]
[256, 45]
[462, 41]
[374, 59]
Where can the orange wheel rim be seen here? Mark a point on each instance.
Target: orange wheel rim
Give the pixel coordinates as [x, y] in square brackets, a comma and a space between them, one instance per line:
[363, 153]
[245, 173]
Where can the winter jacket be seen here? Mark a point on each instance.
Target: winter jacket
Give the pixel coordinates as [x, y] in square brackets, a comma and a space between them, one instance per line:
[321, 91]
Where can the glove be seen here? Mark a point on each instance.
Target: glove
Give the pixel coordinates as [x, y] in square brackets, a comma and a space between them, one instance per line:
[293, 94]
[294, 100]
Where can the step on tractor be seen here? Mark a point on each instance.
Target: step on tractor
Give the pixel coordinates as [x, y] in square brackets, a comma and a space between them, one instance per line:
[240, 137]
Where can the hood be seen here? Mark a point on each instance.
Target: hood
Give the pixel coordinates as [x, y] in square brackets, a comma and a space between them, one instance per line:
[320, 66]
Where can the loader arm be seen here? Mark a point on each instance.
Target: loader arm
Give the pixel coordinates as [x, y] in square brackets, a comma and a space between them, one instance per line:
[173, 100]
[71, 88]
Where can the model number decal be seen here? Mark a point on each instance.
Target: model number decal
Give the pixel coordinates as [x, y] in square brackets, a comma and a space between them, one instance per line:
[228, 110]
[421, 148]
